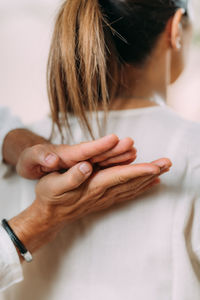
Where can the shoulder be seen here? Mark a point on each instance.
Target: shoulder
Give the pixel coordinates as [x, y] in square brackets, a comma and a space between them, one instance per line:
[190, 129]
[183, 140]
[189, 137]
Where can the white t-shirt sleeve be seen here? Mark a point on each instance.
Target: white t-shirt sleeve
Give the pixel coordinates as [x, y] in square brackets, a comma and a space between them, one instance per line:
[10, 266]
[7, 123]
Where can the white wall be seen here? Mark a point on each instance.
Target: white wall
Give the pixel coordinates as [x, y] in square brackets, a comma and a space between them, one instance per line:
[25, 31]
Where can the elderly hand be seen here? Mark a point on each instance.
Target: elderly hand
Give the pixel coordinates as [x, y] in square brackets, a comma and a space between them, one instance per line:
[36, 161]
[63, 198]
[70, 201]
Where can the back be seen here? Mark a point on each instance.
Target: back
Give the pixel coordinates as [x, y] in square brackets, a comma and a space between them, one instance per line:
[151, 247]
[145, 249]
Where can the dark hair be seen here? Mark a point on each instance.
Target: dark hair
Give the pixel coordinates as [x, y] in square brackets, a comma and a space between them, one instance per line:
[92, 41]
[137, 25]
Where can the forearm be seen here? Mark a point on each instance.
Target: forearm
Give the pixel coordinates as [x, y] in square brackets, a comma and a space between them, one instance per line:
[16, 141]
[34, 228]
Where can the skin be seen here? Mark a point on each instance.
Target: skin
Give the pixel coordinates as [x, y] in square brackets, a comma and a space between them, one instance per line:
[162, 68]
[64, 198]
[67, 201]
[34, 156]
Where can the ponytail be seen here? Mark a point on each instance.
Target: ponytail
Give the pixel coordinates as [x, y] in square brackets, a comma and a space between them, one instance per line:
[77, 67]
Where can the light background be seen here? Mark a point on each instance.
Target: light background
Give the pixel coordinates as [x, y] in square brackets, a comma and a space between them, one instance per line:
[25, 32]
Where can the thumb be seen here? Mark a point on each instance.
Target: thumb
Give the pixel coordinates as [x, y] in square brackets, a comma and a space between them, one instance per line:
[37, 160]
[72, 179]
[42, 155]
[46, 158]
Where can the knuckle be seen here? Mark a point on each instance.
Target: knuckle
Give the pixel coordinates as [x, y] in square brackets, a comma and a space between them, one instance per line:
[38, 147]
[97, 191]
[42, 148]
[37, 150]
[121, 179]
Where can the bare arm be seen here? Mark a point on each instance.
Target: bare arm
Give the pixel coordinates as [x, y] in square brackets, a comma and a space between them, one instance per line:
[64, 198]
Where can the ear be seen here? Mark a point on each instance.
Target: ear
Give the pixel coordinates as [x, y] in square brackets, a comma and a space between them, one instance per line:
[176, 30]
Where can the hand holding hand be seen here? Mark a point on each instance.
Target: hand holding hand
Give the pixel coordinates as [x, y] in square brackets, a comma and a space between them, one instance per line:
[63, 198]
[66, 198]
[36, 161]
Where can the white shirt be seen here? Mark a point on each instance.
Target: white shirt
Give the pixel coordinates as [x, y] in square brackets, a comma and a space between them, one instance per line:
[10, 269]
[145, 249]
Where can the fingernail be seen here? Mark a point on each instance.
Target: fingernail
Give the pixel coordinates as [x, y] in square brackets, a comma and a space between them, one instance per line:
[85, 169]
[51, 158]
[166, 168]
[161, 164]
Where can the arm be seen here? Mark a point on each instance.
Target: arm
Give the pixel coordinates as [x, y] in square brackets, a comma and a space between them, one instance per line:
[34, 156]
[16, 141]
[11, 271]
[64, 198]
[7, 123]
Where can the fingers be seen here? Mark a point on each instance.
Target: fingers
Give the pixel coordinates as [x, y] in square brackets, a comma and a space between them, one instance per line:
[37, 160]
[147, 187]
[145, 180]
[141, 182]
[85, 151]
[136, 187]
[72, 179]
[44, 156]
[130, 194]
[121, 174]
[128, 156]
[163, 163]
[141, 191]
[142, 186]
[111, 198]
[122, 147]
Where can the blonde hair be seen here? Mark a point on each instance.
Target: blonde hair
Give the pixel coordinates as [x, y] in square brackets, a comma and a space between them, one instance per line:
[92, 44]
[82, 67]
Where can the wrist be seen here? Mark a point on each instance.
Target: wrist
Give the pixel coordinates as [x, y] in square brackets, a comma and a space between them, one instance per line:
[33, 227]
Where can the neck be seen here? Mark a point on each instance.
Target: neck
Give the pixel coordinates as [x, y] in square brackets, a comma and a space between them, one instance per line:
[141, 87]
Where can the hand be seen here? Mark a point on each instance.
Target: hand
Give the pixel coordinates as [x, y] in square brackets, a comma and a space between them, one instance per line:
[63, 198]
[105, 188]
[36, 161]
